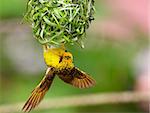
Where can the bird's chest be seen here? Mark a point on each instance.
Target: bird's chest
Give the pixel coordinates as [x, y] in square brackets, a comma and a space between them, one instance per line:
[51, 59]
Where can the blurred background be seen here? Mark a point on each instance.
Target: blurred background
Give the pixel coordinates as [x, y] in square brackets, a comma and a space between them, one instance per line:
[116, 54]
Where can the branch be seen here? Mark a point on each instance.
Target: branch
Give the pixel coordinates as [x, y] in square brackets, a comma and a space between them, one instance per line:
[83, 100]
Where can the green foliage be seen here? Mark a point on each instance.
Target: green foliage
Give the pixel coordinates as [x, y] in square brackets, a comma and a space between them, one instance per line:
[60, 21]
[11, 8]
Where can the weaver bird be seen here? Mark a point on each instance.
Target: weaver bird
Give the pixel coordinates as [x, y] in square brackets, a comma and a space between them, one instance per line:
[59, 62]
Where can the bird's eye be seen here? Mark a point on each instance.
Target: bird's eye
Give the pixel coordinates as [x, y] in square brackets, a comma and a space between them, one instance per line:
[67, 57]
[65, 50]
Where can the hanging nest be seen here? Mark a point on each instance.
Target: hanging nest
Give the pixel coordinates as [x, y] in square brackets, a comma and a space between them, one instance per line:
[59, 21]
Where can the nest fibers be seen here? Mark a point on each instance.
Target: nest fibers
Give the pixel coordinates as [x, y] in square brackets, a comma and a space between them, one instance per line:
[59, 21]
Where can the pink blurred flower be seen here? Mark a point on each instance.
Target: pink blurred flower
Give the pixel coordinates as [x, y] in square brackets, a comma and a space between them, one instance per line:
[131, 12]
[127, 17]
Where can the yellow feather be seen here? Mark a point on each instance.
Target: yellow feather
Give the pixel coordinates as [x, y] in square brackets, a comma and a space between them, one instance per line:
[52, 57]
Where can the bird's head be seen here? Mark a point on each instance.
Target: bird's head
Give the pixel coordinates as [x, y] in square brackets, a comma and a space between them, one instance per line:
[67, 56]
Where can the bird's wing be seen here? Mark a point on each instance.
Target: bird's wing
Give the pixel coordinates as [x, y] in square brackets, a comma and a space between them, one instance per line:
[77, 78]
[39, 92]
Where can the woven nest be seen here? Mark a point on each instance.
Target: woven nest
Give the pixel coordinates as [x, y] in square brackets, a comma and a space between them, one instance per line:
[59, 21]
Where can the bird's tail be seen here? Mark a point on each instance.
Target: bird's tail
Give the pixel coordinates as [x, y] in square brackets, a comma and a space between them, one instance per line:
[39, 92]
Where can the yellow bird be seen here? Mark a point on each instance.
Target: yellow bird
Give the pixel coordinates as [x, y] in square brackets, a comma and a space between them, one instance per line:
[59, 62]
